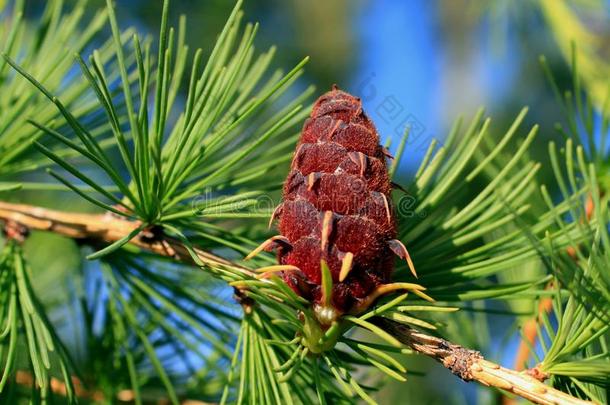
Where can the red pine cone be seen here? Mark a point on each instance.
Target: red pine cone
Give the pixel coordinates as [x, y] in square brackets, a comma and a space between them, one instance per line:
[339, 173]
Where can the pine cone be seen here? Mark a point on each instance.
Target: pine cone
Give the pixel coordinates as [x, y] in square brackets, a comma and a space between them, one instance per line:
[339, 173]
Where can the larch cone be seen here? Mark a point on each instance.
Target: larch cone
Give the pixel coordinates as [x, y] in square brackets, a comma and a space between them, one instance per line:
[337, 210]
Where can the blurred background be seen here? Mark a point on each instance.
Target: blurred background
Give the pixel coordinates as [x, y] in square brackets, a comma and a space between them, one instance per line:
[420, 64]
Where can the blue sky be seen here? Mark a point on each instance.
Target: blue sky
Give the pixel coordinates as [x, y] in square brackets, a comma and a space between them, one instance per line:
[405, 75]
[399, 71]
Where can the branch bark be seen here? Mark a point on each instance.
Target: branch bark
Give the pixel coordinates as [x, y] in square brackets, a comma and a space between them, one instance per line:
[107, 228]
[467, 364]
[470, 365]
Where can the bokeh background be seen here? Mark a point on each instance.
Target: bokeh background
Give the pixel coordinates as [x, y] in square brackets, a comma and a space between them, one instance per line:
[416, 63]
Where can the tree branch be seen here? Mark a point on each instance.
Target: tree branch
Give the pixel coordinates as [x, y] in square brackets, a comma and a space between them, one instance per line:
[470, 365]
[58, 387]
[106, 228]
[467, 364]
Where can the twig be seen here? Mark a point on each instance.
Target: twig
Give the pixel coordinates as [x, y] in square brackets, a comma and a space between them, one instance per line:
[58, 387]
[470, 365]
[467, 364]
[106, 228]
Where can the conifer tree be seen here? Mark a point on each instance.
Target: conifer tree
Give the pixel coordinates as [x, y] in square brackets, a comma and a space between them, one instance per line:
[161, 179]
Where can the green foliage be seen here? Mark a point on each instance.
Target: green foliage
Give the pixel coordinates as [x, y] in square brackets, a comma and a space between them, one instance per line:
[568, 26]
[157, 329]
[584, 124]
[26, 330]
[575, 350]
[44, 48]
[171, 163]
[461, 198]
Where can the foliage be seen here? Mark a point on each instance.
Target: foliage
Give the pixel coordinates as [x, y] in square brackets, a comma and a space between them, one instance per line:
[570, 27]
[575, 350]
[45, 49]
[27, 330]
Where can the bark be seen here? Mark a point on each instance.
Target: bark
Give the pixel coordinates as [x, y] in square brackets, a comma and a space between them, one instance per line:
[470, 365]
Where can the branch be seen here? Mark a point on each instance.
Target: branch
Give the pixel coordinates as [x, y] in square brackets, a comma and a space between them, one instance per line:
[470, 365]
[467, 364]
[106, 228]
[58, 387]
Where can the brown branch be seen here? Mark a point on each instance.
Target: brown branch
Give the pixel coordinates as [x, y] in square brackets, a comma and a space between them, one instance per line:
[467, 364]
[107, 228]
[470, 365]
[59, 387]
